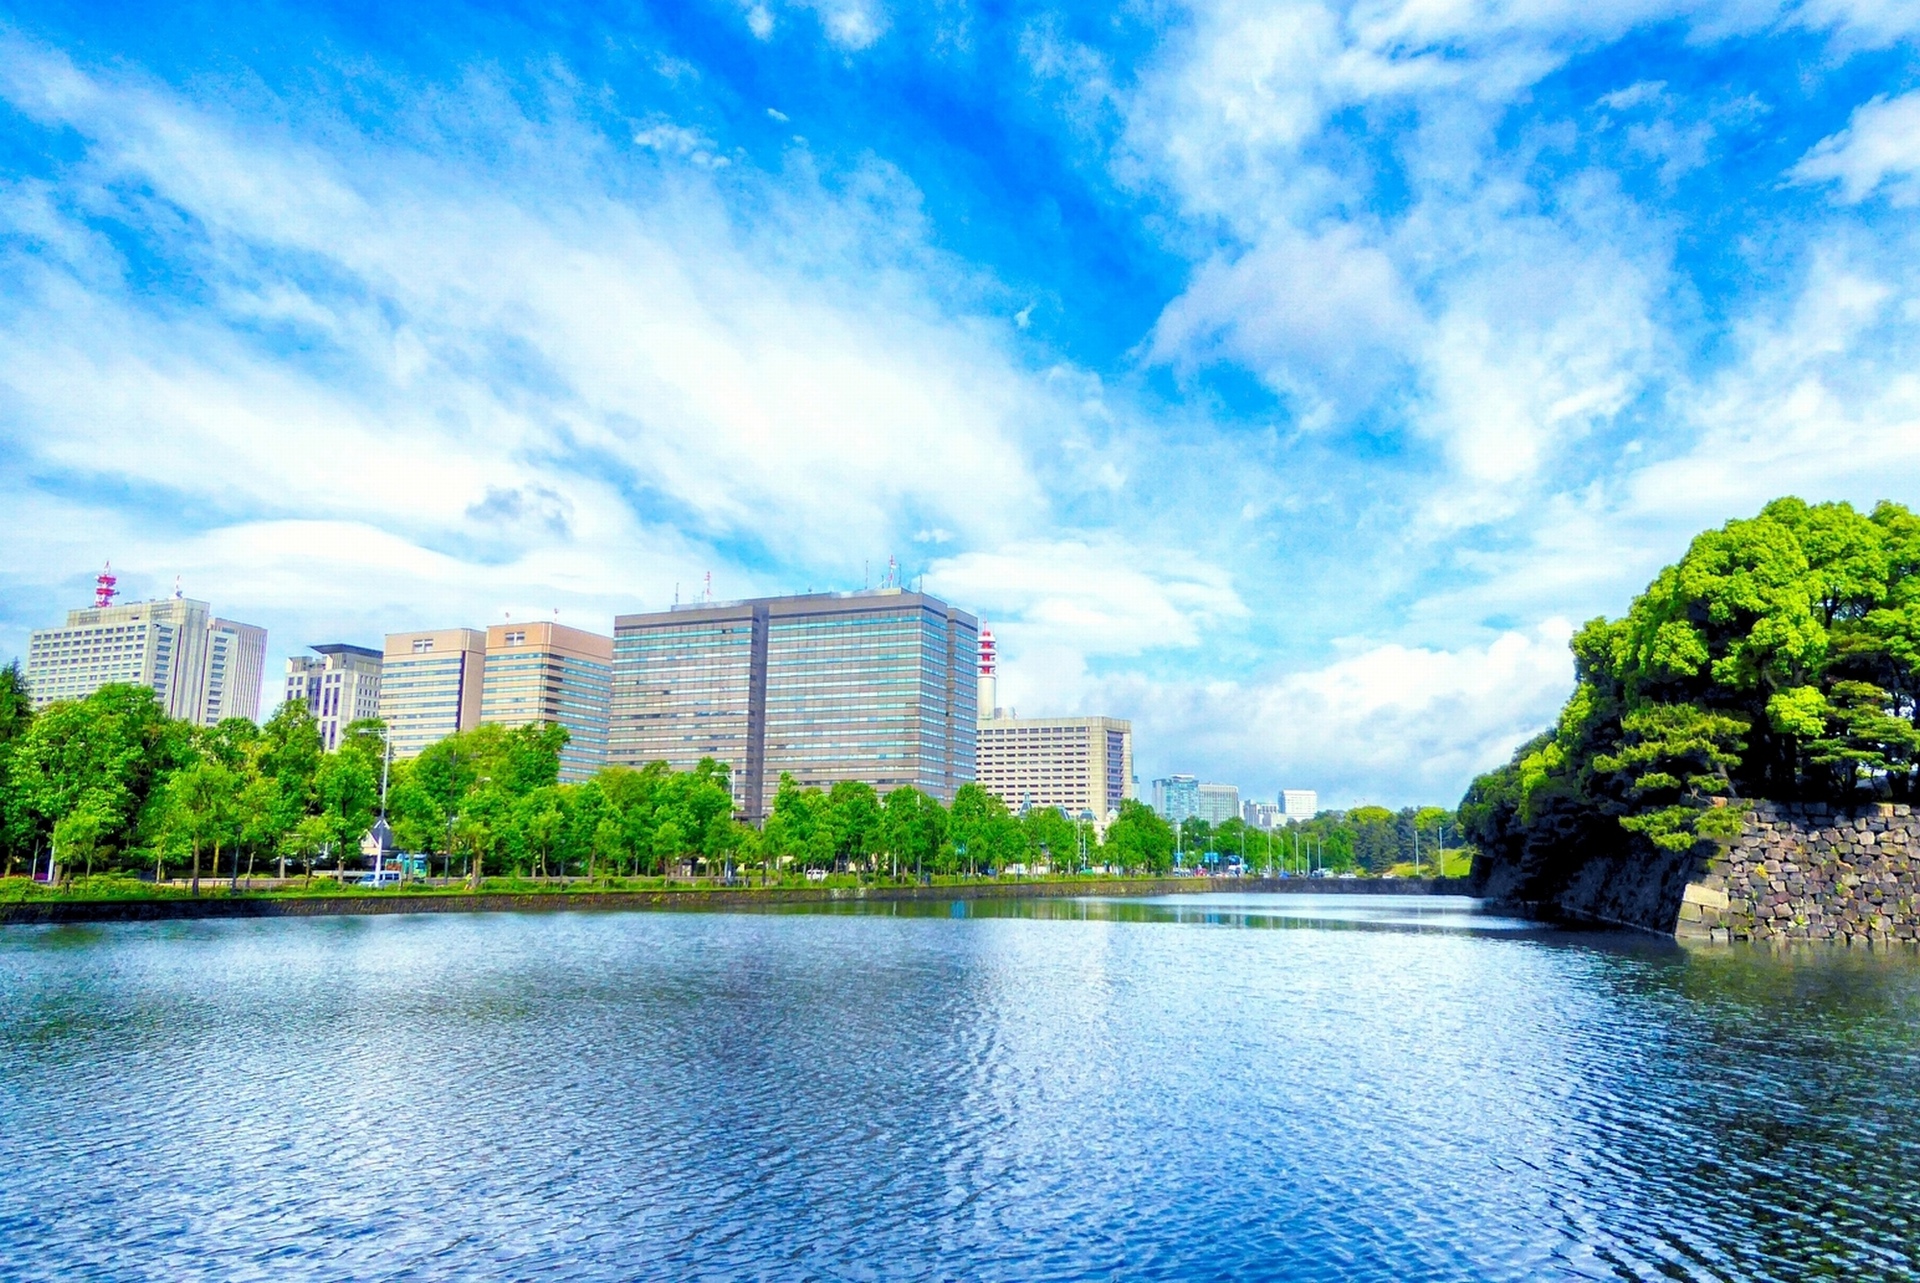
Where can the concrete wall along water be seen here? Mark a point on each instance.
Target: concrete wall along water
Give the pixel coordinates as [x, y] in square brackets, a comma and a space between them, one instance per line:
[1812, 873]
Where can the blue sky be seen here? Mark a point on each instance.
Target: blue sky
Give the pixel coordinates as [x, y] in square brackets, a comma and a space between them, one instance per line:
[1289, 377]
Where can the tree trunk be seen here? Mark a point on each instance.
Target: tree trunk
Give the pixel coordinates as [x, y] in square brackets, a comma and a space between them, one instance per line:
[196, 867]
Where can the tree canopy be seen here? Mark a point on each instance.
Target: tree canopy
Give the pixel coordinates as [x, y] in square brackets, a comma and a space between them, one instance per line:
[1778, 659]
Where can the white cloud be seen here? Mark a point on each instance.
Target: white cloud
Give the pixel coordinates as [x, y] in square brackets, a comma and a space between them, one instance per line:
[1389, 723]
[1879, 147]
[1305, 312]
[406, 362]
[1098, 595]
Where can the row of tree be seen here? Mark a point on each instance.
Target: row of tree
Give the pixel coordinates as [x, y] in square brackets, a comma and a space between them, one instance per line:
[110, 783]
[1366, 839]
[1778, 659]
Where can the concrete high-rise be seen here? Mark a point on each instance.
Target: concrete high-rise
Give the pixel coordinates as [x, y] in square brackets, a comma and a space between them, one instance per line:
[878, 686]
[430, 686]
[236, 663]
[202, 669]
[1260, 815]
[1300, 804]
[550, 674]
[1082, 765]
[339, 684]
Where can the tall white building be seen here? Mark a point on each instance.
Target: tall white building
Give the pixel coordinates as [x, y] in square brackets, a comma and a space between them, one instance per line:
[340, 687]
[1082, 765]
[1299, 804]
[1219, 803]
[203, 669]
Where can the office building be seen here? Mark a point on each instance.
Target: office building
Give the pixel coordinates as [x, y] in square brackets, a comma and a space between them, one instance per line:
[1300, 804]
[339, 684]
[236, 664]
[430, 685]
[1260, 815]
[1177, 798]
[548, 674]
[1219, 803]
[202, 669]
[1080, 764]
[878, 686]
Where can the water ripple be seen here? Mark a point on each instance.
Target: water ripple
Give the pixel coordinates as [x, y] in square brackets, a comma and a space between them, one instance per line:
[1232, 1087]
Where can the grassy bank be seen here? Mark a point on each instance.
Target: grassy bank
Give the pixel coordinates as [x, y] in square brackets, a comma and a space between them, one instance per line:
[110, 899]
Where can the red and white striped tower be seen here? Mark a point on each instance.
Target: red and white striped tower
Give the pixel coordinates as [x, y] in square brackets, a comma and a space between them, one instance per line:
[103, 588]
[989, 675]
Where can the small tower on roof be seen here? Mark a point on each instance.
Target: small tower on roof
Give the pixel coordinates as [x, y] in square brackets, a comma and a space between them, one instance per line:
[989, 675]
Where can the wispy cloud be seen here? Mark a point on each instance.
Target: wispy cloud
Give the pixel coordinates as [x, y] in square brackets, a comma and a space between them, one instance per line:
[1284, 376]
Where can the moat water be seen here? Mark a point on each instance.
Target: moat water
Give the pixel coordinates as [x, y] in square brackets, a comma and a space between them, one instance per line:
[1201, 1087]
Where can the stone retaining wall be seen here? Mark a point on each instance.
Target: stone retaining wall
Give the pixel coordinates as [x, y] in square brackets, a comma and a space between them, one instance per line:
[1812, 873]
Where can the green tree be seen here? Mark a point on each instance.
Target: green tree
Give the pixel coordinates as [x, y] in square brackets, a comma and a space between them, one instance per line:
[1139, 841]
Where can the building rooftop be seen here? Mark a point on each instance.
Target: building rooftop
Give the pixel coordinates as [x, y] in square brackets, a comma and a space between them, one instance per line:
[342, 648]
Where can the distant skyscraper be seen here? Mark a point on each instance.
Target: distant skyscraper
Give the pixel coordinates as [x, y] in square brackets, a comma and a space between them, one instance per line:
[1079, 764]
[547, 674]
[430, 684]
[1219, 803]
[877, 686]
[1177, 798]
[1300, 804]
[1260, 815]
[201, 668]
[339, 687]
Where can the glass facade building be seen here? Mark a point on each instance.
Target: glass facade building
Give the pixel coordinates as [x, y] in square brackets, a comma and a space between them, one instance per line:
[548, 673]
[875, 686]
[1177, 798]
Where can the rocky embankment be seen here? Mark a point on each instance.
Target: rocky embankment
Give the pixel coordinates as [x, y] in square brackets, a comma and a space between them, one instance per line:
[1809, 872]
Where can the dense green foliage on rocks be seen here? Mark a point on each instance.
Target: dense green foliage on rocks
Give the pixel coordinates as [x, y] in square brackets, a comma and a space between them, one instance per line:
[1778, 659]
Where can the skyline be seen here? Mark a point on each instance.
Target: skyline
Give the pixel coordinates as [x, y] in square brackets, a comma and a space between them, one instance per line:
[1285, 380]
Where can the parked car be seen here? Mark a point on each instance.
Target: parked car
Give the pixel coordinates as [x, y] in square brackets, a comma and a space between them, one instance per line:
[384, 878]
[816, 875]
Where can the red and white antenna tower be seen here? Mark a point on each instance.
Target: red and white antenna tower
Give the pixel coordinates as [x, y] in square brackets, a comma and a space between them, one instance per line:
[103, 588]
[989, 675]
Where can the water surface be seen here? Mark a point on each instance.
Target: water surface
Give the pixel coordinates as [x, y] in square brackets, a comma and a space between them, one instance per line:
[1287, 1086]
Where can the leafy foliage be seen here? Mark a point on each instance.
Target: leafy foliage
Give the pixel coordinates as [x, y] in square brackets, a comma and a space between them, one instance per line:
[1779, 658]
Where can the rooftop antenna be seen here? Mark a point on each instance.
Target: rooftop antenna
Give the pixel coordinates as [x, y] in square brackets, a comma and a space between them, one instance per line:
[103, 588]
[893, 572]
[709, 585]
[176, 587]
[866, 574]
[676, 592]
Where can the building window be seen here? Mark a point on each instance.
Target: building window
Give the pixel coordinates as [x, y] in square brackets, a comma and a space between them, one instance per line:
[421, 645]
[516, 639]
